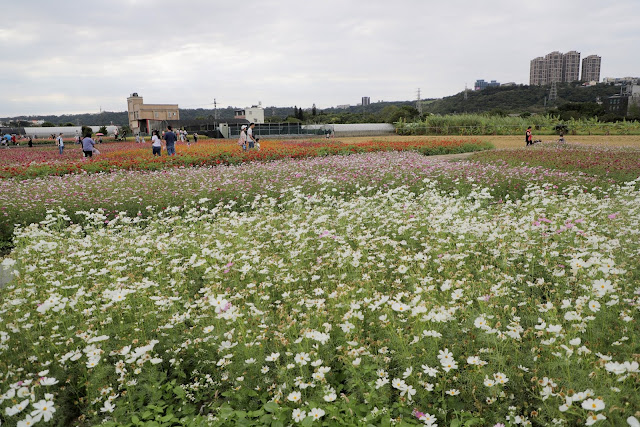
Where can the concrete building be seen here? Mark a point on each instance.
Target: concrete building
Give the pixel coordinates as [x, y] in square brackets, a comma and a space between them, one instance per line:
[255, 114]
[537, 75]
[481, 84]
[623, 103]
[558, 67]
[145, 118]
[553, 67]
[366, 100]
[571, 66]
[591, 68]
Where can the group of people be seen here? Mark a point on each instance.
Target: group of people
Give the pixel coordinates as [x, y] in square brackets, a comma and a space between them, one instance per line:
[170, 138]
[528, 137]
[247, 141]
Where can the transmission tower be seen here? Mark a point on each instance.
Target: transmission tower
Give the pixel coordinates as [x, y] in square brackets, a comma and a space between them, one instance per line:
[215, 109]
[419, 103]
[553, 92]
[465, 92]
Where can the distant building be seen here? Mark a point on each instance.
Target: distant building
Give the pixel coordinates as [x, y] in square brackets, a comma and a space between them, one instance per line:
[537, 75]
[255, 114]
[571, 66]
[553, 67]
[366, 100]
[145, 118]
[343, 106]
[591, 68]
[481, 84]
[620, 104]
[622, 80]
[563, 67]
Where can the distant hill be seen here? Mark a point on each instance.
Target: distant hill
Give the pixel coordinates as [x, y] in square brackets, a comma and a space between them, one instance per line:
[120, 118]
[517, 99]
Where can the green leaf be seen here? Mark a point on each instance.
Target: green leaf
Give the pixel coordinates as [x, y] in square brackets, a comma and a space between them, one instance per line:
[179, 392]
[271, 406]
[307, 422]
[135, 419]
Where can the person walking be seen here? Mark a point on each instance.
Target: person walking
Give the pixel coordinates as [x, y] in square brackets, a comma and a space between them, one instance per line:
[87, 146]
[170, 140]
[195, 137]
[156, 144]
[242, 141]
[250, 139]
[60, 143]
[528, 137]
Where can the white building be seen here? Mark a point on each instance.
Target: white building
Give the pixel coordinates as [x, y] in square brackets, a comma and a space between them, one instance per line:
[255, 114]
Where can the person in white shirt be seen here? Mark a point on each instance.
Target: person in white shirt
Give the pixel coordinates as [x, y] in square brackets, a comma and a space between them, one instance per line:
[250, 139]
[156, 144]
[60, 143]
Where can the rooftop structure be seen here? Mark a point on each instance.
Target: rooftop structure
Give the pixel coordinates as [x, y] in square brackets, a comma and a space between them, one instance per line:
[145, 118]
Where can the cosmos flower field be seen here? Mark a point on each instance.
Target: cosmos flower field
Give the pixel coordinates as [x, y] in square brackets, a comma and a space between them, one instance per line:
[377, 288]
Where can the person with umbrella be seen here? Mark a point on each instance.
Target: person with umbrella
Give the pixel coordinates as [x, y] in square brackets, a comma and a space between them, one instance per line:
[99, 135]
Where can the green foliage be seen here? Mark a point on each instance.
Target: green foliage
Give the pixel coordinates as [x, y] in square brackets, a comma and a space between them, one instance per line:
[47, 125]
[481, 124]
[515, 99]
[103, 129]
[86, 131]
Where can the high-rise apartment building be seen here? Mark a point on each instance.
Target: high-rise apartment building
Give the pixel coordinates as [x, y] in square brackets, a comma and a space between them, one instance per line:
[366, 100]
[571, 66]
[591, 68]
[553, 67]
[537, 76]
[558, 67]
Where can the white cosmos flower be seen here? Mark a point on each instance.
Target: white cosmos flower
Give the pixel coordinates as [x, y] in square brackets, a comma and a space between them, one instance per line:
[29, 421]
[594, 418]
[330, 397]
[302, 358]
[593, 404]
[298, 415]
[43, 409]
[381, 382]
[294, 396]
[48, 381]
[316, 413]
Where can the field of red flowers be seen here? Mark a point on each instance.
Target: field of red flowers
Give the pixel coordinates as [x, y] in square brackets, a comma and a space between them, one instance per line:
[25, 162]
[619, 164]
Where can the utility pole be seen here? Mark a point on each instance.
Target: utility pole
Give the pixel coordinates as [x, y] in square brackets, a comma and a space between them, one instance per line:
[465, 92]
[553, 92]
[215, 109]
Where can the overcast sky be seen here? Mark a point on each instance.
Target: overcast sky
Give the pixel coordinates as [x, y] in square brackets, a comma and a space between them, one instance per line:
[71, 56]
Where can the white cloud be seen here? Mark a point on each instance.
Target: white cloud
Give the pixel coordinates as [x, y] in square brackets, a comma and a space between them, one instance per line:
[71, 55]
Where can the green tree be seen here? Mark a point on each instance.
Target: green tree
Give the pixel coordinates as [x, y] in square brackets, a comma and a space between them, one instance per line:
[86, 131]
[47, 125]
[103, 129]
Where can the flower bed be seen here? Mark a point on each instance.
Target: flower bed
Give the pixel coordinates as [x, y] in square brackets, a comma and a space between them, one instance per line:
[360, 290]
[618, 164]
[138, 192]
[45, 161]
